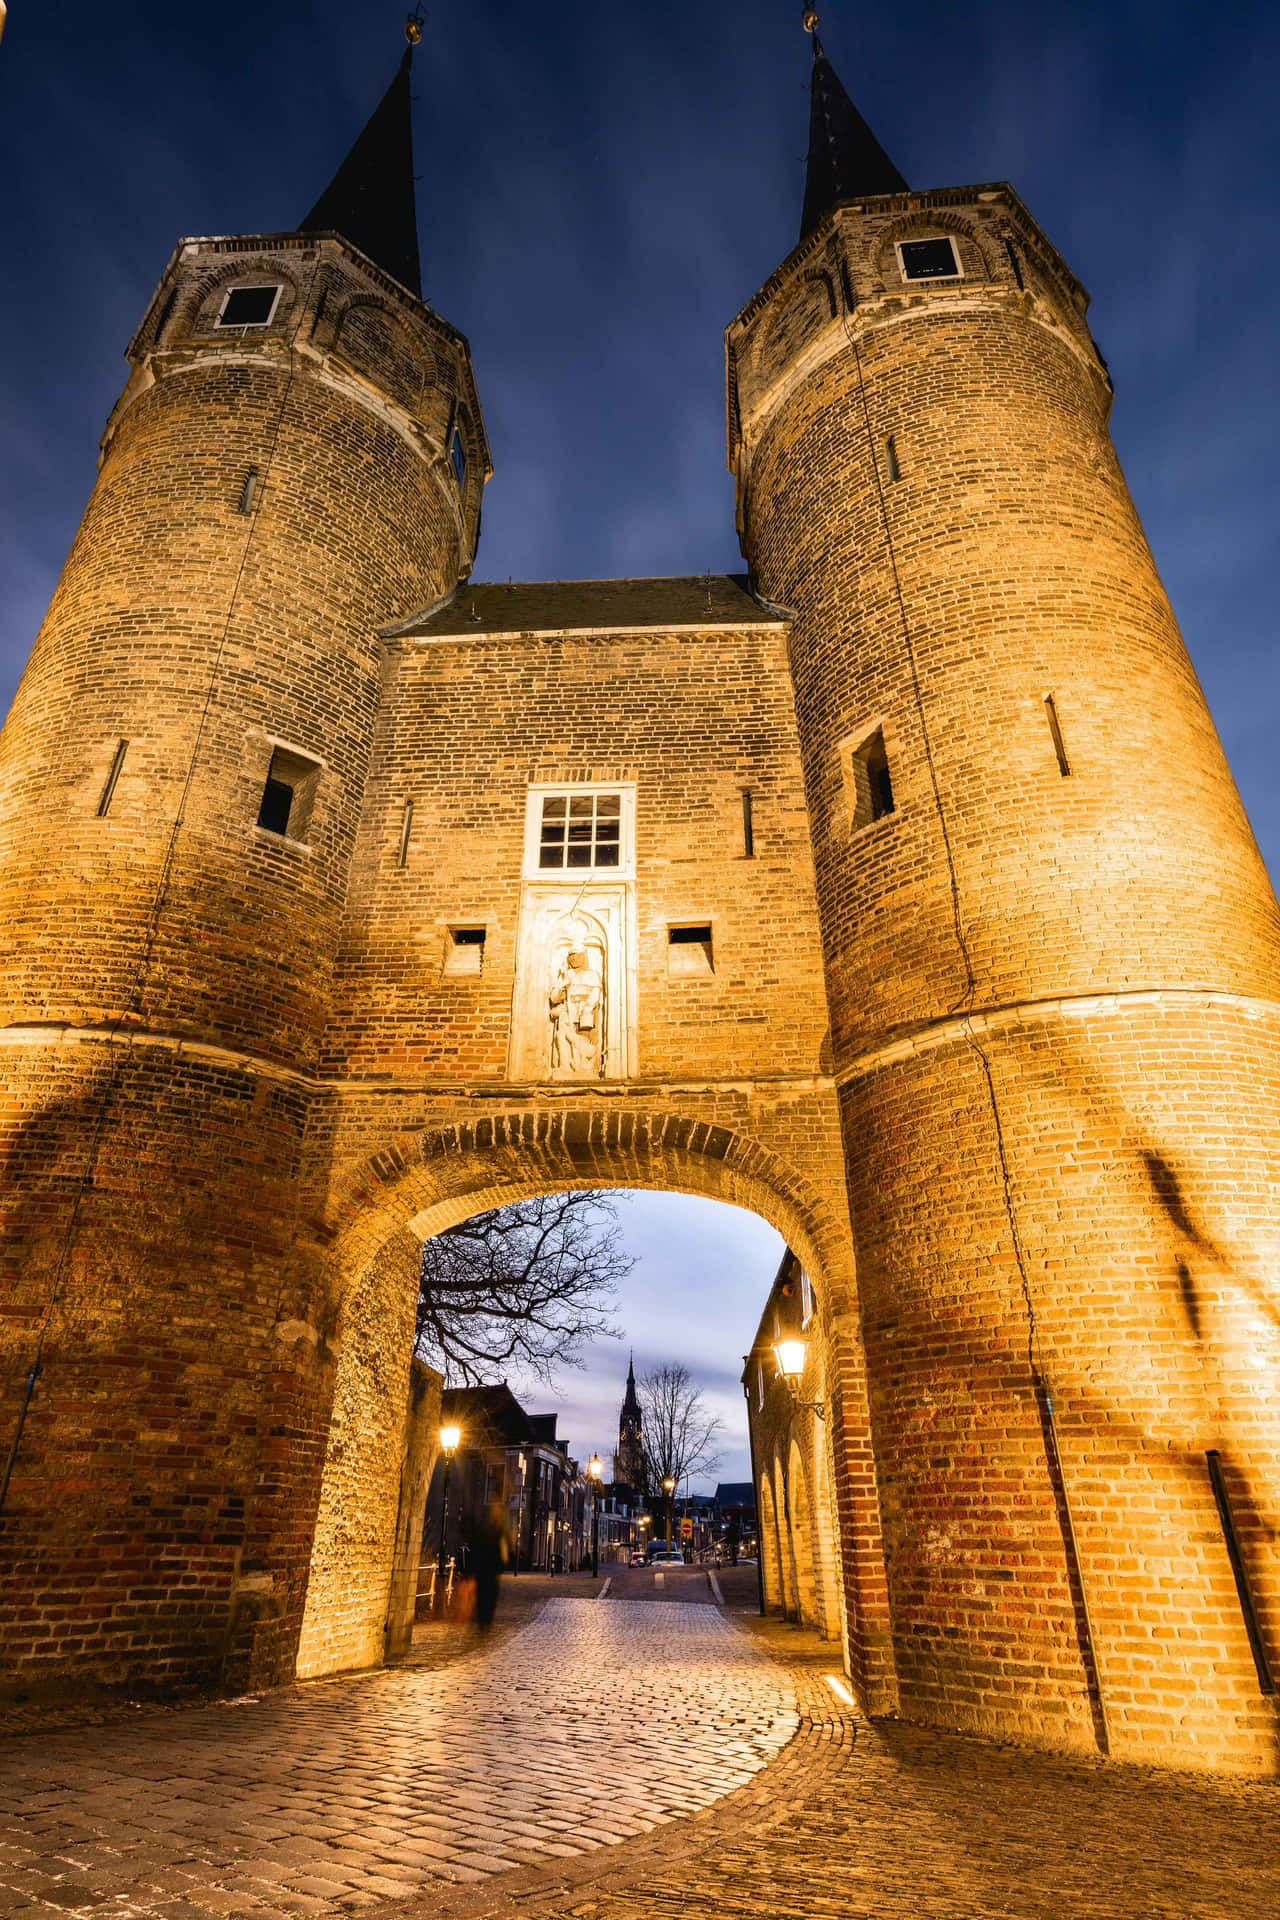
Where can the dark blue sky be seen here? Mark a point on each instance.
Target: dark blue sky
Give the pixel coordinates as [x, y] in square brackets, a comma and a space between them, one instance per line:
[602, 187]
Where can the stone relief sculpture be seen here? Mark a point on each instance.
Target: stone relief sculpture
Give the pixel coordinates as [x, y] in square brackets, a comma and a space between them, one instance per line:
[576, 999]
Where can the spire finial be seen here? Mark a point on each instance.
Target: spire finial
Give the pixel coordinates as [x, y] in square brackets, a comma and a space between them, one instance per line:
[811, 20]
[413, 27]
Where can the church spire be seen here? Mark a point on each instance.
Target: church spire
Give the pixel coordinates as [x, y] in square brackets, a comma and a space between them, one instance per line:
[846, 161]
[370, 199]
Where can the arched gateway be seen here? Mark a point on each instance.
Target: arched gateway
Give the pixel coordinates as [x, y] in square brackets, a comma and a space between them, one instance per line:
[897, 889]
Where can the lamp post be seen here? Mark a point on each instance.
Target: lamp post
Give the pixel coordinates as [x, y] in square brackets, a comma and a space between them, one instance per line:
[595, 1473]
[668, 1487]
[449, 1438]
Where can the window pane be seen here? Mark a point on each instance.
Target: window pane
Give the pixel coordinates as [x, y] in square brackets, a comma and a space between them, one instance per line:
[553, 809]
[608, 804]
[551, 856]
[579, 830]
[606, 856]
[581, 806]
[579, 856]
[607, 829]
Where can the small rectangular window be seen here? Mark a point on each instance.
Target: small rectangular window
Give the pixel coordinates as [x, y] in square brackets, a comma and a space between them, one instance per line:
[464, 950]
[871, 781]
[929, 259]
[893, 465]
[581, 830]
[108, 791]
[689, 953]
[1055, 732]
[288, 794]
[759, 1383]
[248, 492]
[458, 458]
[748, 825]
[806, 1298]
[249, 306]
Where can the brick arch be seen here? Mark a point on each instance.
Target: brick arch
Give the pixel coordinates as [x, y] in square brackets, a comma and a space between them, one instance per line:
[413, 1186]
[427, 1181]
[768, 1548]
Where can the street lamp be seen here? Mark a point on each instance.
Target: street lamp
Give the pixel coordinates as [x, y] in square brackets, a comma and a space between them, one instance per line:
[668, 1487]
[790, 1355]
[595, 1473]
[449, 1438]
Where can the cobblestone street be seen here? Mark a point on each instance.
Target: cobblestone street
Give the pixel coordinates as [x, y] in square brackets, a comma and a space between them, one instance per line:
[588, 1726]
[610, 1760]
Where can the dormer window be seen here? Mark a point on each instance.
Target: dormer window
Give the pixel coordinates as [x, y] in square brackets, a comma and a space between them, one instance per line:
[929, 259]
[249, 306]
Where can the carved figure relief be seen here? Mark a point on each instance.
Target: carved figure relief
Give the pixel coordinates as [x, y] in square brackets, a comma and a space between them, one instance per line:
[576, 1000]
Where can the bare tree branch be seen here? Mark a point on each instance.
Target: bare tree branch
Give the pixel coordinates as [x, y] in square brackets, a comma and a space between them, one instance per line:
[677, 1433]
[521, 1287]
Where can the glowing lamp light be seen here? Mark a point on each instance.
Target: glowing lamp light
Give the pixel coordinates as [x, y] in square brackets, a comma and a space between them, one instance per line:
[790, 1359]
[449, 1438]
[595, 1467]
[669, 1485]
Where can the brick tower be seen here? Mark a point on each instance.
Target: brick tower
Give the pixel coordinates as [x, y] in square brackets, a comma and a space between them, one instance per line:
[1052, 959]
[298, 450]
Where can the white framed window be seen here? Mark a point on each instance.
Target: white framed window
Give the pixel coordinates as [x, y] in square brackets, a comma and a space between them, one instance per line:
[806, 1298]
[937, 258]
[587, 829]
[249, 306]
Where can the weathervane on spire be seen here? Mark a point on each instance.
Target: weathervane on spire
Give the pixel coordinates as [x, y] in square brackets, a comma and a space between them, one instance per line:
[413, 26]
[811, 19]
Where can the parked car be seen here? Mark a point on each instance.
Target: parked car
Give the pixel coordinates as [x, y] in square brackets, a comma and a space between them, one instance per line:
[666, 1557]
[639, 1558]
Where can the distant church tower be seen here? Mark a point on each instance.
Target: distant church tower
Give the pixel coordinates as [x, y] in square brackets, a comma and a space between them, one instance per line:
[628, 1461]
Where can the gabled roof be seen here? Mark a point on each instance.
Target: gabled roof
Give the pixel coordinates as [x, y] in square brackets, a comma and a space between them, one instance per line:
[370, 200]
[846, 161]
[697, 603]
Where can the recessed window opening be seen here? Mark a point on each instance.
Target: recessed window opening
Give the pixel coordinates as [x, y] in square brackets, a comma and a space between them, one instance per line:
[872, 782]
[249, 491]
[1222, 1500]
[406, 828]
[1015, 263]
[458, 457]
[748, 825]
[759, 1383]
[1055, 730]
[249, 306]
[581, 830]
[689, 952]
[893, 466]
[929, 259]
[288, 794]
[108, 791]
[806, 1298]
[464, 950]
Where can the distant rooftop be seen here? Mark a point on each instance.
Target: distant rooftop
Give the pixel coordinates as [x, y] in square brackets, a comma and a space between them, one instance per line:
[697, 602]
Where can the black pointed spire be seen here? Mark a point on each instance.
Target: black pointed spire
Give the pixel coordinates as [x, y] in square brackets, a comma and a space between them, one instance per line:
[631, 1404]
[370, 199]
[846, 161]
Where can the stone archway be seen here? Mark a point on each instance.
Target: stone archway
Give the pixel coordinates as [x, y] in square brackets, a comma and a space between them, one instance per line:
[385, 1205]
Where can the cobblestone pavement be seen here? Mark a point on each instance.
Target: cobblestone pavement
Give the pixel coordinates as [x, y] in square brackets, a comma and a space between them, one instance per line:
[590, 1725]
[855, 1821]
